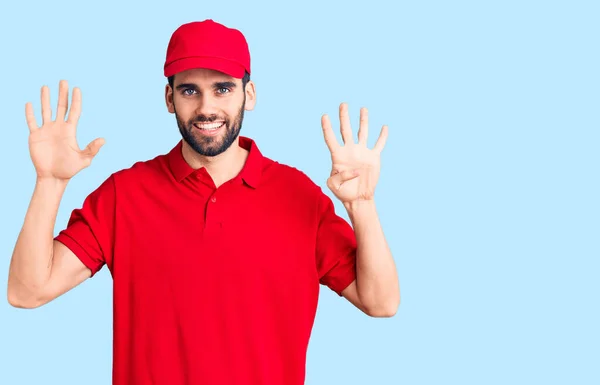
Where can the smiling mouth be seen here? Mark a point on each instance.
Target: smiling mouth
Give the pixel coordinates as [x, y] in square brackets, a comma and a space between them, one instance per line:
[213, 126]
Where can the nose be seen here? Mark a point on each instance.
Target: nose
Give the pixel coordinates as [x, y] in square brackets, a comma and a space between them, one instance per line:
[206, 106]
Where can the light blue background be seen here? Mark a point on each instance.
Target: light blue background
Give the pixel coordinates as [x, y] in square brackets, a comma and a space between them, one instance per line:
[488, 194]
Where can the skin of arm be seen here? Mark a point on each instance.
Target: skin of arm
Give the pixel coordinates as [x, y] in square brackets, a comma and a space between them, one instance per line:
[354, 175]
[376, 290]
[42, 268]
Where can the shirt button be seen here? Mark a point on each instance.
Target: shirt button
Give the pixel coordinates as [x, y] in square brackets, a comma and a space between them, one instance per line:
[213, 199]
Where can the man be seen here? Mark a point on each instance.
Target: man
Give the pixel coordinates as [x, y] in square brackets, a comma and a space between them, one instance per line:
[216, 251]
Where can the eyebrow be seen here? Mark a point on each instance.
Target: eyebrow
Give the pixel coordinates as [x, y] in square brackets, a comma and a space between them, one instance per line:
[224, 85]
[215, 85]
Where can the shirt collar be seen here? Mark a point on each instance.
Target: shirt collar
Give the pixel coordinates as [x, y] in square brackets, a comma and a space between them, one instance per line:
[251, 172]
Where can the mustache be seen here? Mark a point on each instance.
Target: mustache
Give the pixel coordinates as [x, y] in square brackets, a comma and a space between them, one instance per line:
[206, 119]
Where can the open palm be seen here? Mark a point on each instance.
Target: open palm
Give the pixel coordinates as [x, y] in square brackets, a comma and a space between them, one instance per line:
[53, 147]
[355, 167]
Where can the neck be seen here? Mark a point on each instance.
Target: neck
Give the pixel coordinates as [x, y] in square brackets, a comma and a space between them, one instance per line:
[222, 167]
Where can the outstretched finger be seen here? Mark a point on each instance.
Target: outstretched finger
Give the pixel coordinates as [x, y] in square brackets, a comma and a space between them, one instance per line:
[75, 110]
[30, 117]
[63, 100]
[345, 127]
[46, 109]
[381, 140]
[363, 129]
[328, 133]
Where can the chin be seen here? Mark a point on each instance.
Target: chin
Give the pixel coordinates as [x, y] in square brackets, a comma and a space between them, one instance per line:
[213, 148]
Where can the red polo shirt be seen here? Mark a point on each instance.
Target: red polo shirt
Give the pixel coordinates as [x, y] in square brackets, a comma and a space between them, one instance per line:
[212, 286]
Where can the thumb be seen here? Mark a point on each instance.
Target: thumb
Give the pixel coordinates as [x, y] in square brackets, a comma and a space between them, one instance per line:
[92, 149]
[336, 181]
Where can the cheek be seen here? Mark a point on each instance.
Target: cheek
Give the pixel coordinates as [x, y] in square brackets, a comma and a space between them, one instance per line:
[184, 108]
[234, 106]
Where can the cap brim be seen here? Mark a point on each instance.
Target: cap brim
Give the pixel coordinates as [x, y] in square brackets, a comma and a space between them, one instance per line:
[222, 65]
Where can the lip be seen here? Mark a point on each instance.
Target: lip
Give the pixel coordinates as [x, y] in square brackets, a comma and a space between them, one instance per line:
[210, 133]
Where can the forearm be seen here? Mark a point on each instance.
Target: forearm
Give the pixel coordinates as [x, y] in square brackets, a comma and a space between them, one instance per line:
[31, 261]
[377, 279]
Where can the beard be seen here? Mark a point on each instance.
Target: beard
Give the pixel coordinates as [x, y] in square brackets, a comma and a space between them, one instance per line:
[211, 145]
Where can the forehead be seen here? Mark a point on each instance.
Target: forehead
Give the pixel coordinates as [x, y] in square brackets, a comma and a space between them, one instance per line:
[203, 76]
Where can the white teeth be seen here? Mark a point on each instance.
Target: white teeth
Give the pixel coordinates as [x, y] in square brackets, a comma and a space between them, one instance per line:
[209, 126]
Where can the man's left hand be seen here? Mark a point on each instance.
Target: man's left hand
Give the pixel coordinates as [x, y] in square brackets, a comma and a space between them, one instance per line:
[355, 168]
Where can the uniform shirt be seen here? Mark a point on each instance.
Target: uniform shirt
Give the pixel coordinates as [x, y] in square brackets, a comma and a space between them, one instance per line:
[212, 286]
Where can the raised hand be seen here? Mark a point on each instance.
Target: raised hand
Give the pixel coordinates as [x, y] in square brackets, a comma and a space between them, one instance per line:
[53, 147]
[355, 168]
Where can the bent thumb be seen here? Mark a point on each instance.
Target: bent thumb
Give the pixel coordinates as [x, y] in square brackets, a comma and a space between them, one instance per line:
[336, 181]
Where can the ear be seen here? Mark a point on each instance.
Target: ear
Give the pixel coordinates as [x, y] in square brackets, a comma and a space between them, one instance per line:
[250, 96]
[169, 99]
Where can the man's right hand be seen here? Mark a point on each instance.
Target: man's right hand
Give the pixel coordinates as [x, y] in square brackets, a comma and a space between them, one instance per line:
[53, 147]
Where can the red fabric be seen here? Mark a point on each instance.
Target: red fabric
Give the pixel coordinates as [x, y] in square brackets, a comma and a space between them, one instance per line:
[207, 44]
[212, 286]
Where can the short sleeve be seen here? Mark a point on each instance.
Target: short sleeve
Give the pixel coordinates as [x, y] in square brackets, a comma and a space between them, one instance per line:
[335, 248]
[89, 233]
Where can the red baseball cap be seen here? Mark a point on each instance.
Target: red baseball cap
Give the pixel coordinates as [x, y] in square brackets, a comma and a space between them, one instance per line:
[207, 44]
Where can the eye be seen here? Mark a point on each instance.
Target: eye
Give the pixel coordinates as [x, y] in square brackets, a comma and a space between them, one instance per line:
[223, 90]
[188, 91]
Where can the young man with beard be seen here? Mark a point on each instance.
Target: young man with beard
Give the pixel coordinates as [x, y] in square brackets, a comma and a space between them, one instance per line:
[216, 252]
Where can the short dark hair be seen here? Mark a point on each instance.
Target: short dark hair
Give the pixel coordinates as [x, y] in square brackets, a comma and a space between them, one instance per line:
[245, 80]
